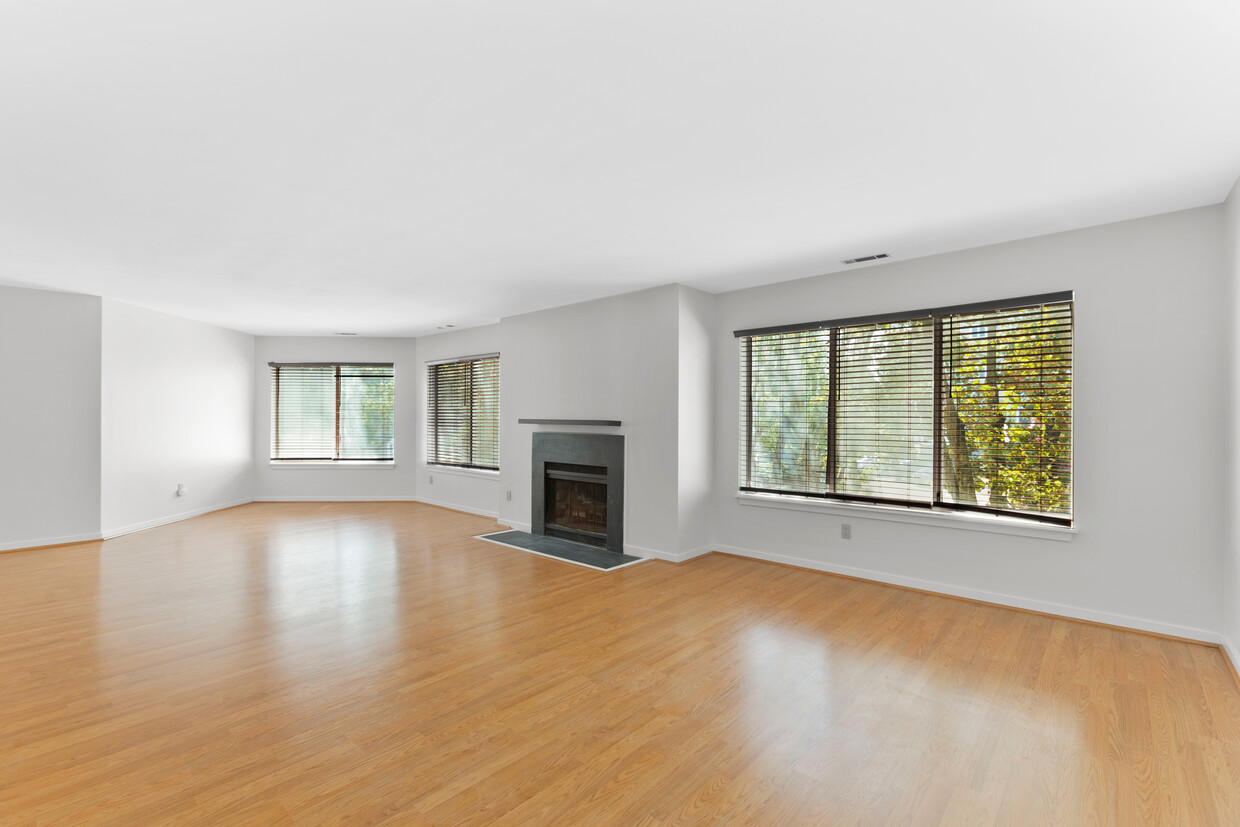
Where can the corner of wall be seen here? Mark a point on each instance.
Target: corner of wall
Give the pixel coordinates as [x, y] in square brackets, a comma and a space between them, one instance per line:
[1232, 654]
[50, 477]
[190, 428]
[695, 422]
[1230, 580]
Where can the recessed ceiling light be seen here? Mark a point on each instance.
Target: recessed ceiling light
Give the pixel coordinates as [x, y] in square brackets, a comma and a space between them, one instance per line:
[344, 334]
[446, 326]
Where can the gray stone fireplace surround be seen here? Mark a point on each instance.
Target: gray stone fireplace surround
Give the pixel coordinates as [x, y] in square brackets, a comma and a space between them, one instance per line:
[597, 451]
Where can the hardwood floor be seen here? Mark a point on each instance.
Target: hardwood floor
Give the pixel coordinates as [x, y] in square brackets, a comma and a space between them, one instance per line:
[373, 664]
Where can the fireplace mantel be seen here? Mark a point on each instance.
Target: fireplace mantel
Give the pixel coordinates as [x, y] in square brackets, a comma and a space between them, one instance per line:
[602, 423]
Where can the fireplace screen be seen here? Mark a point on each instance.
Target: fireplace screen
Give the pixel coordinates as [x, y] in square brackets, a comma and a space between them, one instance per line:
[576, 502]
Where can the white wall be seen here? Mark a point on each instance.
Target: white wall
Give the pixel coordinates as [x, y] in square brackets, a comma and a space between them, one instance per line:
[177, 406]
[334, 482]
[614, 358]
[1149, 423]
[464, 489]
[696, 431]
[1231, 505]
[49, 413]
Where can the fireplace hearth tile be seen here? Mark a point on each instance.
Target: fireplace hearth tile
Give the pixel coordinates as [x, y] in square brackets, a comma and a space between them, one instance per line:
[560, 549]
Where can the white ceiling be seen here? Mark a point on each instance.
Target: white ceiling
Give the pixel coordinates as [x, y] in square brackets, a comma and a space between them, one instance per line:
[301, 167]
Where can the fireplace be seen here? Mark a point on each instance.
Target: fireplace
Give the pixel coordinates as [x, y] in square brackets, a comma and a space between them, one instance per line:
[578, 488]
[575, 502]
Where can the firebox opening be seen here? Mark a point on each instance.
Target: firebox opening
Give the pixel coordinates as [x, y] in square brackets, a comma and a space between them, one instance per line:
[576, 502]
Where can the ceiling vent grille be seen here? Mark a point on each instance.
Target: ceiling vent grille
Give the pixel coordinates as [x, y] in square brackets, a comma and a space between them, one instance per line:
[860, 259]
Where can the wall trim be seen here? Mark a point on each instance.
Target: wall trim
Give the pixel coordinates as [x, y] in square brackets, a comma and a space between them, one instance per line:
[468, 509]
[43, 542]
[669, 556]
[336, 498]
[1232, 656]
[1139, 624]
[109, 533]
[393, 498]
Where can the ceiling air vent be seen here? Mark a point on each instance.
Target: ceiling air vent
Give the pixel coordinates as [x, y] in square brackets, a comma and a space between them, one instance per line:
[860, 259]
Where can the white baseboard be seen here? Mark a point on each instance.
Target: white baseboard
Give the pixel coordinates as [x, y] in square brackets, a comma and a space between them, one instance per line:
[1231, 652]
[390, 498]
[1043, 606]
[468, 509]
[516, 526]
[109, 533]
[669, 556]
[50, 541]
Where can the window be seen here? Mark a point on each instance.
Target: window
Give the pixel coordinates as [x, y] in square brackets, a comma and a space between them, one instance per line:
[966, 408]
[462, 413]
[328, 412]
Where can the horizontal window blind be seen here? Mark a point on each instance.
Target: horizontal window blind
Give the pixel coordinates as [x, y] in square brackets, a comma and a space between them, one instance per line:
[328, 412]
[463, 413]
[785, 397]
[1007, 410]
[885, 425]
[959, 410]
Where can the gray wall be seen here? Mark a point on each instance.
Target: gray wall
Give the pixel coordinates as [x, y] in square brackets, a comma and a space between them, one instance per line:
[465, 489]
[49, 415]
[614, 358]
[1148, 427]
[328, 482]
[177, 407]
[1230, 575]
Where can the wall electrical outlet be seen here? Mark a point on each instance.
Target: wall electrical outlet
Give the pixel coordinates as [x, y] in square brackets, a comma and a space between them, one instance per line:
[508, 495]
[845, 531]
[181, 491]
[430, 479]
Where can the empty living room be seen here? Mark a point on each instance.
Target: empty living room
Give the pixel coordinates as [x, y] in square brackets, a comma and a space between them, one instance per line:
[620, 413]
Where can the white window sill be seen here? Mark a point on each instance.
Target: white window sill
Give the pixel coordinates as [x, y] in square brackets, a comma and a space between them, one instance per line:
[863, 511]
[453, 471]
[313, 465]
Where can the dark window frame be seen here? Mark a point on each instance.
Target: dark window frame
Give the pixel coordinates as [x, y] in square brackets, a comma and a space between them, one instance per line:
[340, 371]
[480, 372]
[939, 319]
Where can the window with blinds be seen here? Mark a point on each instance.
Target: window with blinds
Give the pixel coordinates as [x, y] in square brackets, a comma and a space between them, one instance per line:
[462, 413]
[959, 408]
[330, 412]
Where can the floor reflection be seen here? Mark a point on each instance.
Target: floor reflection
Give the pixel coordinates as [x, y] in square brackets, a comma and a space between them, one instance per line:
[303, 597]
[786, 673]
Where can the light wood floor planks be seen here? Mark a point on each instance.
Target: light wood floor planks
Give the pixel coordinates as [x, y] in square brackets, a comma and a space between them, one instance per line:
[373, 664]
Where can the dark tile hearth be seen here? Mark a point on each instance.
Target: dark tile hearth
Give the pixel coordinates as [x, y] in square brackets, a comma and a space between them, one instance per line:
[582, 555]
